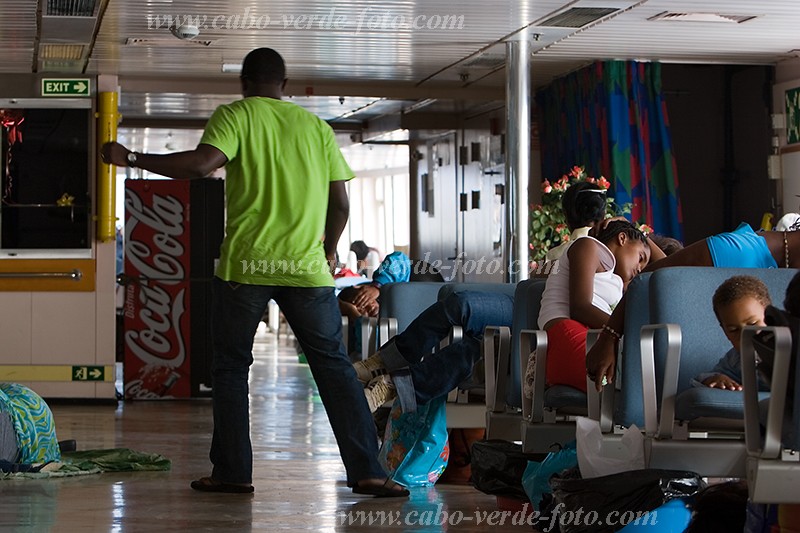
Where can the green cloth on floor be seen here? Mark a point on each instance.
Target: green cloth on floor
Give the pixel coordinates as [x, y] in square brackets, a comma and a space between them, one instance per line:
[116, 460]
[96, 462]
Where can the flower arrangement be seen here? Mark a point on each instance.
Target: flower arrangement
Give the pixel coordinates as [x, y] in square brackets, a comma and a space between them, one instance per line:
[548, 225]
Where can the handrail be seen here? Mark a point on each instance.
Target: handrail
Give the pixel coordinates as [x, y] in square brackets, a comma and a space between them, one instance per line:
[74, 275]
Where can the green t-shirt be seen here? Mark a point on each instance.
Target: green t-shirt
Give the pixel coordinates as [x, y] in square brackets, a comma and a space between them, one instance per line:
[281, 160]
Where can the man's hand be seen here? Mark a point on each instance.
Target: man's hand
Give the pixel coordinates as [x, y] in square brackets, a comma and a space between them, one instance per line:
[367, 294]
[349, 310]
[113, 153]
[721, 381]
[331, 259]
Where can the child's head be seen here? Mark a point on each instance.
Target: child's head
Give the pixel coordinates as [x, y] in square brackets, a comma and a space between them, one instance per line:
[629, 246]
[740, 301]
[584, 204]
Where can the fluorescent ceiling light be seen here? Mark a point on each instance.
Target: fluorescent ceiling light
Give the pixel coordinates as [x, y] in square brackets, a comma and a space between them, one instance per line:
[234, 68]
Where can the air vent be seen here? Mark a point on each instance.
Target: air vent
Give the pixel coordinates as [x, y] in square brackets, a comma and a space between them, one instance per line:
[72, 52]
[71, 8]
[702, 17]
[578, 17]
[168, 42]
[487, 61]
[61, 65]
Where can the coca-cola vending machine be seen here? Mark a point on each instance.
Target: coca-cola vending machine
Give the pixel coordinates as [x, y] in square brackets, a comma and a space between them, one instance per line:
[173, 231]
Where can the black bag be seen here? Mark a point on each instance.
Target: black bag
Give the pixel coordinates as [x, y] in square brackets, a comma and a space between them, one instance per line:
[497, 467]
[636, 491]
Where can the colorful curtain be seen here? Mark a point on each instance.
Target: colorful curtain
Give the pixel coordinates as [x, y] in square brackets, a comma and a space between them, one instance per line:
[611, 118]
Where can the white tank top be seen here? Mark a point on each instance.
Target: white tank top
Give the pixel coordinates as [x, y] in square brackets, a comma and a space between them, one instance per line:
[606, 294]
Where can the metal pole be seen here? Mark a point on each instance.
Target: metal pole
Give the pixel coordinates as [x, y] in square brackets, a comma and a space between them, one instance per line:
[518, 143]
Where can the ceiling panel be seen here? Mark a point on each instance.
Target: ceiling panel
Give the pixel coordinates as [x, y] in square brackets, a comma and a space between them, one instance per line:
[369, 48]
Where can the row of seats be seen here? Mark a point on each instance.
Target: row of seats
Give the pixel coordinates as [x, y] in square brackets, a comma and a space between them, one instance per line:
[671, 334]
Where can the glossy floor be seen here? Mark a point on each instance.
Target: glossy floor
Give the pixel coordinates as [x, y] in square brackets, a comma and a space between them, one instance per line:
[298, 476]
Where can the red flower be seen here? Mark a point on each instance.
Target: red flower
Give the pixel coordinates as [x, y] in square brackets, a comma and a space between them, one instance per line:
[604, 183]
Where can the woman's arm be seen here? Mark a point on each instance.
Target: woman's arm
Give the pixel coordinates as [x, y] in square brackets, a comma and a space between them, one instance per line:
[584, 263]
[601, 359]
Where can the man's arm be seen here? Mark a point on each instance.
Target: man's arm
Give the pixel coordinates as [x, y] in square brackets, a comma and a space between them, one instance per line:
[196, 163]
[338, 212]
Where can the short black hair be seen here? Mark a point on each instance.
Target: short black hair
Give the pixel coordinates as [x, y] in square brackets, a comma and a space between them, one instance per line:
[586, 208]
[737, 287]
[264, 65]
[360, 248]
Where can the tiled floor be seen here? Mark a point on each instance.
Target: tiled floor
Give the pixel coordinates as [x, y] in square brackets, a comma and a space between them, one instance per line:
[299, 478]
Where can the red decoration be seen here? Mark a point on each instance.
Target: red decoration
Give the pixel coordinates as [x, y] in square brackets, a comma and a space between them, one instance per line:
[11, 119]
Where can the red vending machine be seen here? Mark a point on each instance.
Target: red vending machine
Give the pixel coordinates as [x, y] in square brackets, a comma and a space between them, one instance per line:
[173, 231]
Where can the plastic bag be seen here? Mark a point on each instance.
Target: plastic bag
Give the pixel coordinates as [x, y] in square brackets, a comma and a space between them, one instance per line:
[498, 466]
[623, 494]
[536, 479]
[415, 448]
[596, 459]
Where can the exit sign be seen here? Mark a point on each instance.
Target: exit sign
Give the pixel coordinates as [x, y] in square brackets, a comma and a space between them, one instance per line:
[88, 373]
[65, 87]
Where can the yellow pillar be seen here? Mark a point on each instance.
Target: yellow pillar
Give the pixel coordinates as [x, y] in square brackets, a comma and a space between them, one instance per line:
[107, 120]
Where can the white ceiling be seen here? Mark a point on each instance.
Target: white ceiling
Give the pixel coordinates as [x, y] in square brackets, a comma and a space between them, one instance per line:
[381, 69]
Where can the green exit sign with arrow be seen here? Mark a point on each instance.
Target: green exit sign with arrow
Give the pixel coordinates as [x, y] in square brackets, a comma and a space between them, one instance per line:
[88, 373]
[65, 86]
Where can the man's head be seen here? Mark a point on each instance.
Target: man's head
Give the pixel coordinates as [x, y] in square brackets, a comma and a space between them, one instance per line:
[584, 204]
[629, 246]
[740, 301]
[360, 248]
[263, 70]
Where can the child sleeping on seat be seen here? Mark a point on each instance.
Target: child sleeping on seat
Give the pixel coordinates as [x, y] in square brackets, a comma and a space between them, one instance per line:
[740, 301]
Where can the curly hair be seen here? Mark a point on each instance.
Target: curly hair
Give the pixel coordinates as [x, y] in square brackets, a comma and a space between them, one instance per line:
[738, 287]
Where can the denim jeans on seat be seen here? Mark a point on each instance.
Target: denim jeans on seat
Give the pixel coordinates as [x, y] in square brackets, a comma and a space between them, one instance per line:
[313, 314]
[443, 371]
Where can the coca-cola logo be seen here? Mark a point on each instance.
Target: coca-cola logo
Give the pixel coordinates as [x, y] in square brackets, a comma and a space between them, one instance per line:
[156, 262]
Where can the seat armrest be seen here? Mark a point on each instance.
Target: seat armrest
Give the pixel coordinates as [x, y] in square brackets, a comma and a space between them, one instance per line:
[456, 333]
[531, 340]
[496, 363]
[368, 331]
[777, 400]
[387, 328]
[670, 387]
[346, 333]
[599, 406]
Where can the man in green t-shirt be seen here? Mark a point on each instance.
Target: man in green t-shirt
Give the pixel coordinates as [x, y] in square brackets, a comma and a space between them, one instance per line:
[286, 209]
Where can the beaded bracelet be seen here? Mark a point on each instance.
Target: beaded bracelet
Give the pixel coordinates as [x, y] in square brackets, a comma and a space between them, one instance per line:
[611, 331]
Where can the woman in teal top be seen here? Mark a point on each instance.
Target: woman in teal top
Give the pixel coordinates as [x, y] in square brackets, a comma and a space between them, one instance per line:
[742, 248]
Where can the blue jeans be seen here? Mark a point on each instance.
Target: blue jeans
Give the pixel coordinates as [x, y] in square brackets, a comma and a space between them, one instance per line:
[439, 373]
[313, 314]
